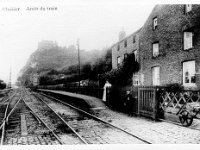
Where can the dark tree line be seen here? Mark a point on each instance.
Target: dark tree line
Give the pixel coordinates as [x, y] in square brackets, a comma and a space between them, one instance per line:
[89, 71]
[2, 84]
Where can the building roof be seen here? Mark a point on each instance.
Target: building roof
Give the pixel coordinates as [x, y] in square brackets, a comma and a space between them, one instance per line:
[134, 33]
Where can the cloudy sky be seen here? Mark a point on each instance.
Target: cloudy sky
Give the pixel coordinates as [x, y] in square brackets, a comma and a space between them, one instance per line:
[95, 22]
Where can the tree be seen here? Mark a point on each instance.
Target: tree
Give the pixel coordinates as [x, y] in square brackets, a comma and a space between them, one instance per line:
[86, 70]
[2, 84]
[46, 80]
[122, 75]
[53, 72]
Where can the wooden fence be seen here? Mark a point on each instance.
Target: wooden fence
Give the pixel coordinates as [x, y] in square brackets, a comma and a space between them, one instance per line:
[173, 102]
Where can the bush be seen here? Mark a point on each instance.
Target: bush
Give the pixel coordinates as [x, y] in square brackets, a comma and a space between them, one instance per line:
[123, 75]
[2, 84]
[117, 97]
[174, 87]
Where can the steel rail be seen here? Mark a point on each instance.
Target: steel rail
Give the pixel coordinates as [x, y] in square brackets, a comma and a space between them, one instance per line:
[13, 108]
[4, 101]
[44, 124]
[31, 110]
[10, 97]
[35, 117]
[7, 108]
[79, 136]
[3, 133]
[5, 120]
[105, 122]
[7, 99]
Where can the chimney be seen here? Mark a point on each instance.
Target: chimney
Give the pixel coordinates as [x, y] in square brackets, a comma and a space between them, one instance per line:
[122, 35]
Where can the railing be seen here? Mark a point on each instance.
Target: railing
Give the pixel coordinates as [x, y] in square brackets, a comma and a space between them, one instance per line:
[173, 102]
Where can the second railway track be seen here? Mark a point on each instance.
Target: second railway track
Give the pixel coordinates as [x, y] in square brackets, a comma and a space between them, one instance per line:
[59, 128]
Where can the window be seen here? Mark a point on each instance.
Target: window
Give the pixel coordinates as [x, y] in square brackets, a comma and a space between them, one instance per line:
[141, 78]
[133, 39]
[125, 56]
[136, 79]
[156, 75]
[125, 43]
[188, 7]
[118, 61]
[189, 78]
[188, 40]
[155, 23]
[118, 47]
[155, 49]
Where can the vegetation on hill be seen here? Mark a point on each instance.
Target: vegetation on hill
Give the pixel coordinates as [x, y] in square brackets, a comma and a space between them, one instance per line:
[89, 71]
[58, 65]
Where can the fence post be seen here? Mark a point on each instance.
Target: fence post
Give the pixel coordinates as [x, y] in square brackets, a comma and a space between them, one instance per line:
[154, 103]
[138, 102]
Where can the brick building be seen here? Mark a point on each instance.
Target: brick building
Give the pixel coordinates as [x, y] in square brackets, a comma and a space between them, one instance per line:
[125, 46]
[170, 46]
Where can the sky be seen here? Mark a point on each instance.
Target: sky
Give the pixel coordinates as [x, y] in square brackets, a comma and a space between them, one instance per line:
[96, 23]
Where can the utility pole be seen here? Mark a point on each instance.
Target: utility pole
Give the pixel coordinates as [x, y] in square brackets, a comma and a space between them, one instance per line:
[9, 82]
[79, 63]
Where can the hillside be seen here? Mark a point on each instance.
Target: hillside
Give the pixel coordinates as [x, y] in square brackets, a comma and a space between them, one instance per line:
[49, 56]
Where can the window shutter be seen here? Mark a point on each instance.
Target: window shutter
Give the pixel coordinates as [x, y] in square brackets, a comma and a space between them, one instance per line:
[156, 75]
[188, 40]
[118, 60]
[155, 49]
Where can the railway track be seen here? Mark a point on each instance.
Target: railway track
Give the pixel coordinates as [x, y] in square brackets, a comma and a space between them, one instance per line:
[7, 109]
[4, 98]
[22, 127]
[5, 106]
[58, 127]
[93, 129]
[25, 128]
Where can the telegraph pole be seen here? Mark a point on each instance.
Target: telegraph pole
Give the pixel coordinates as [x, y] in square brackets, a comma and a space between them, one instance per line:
[79, 63]
[9, 82]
